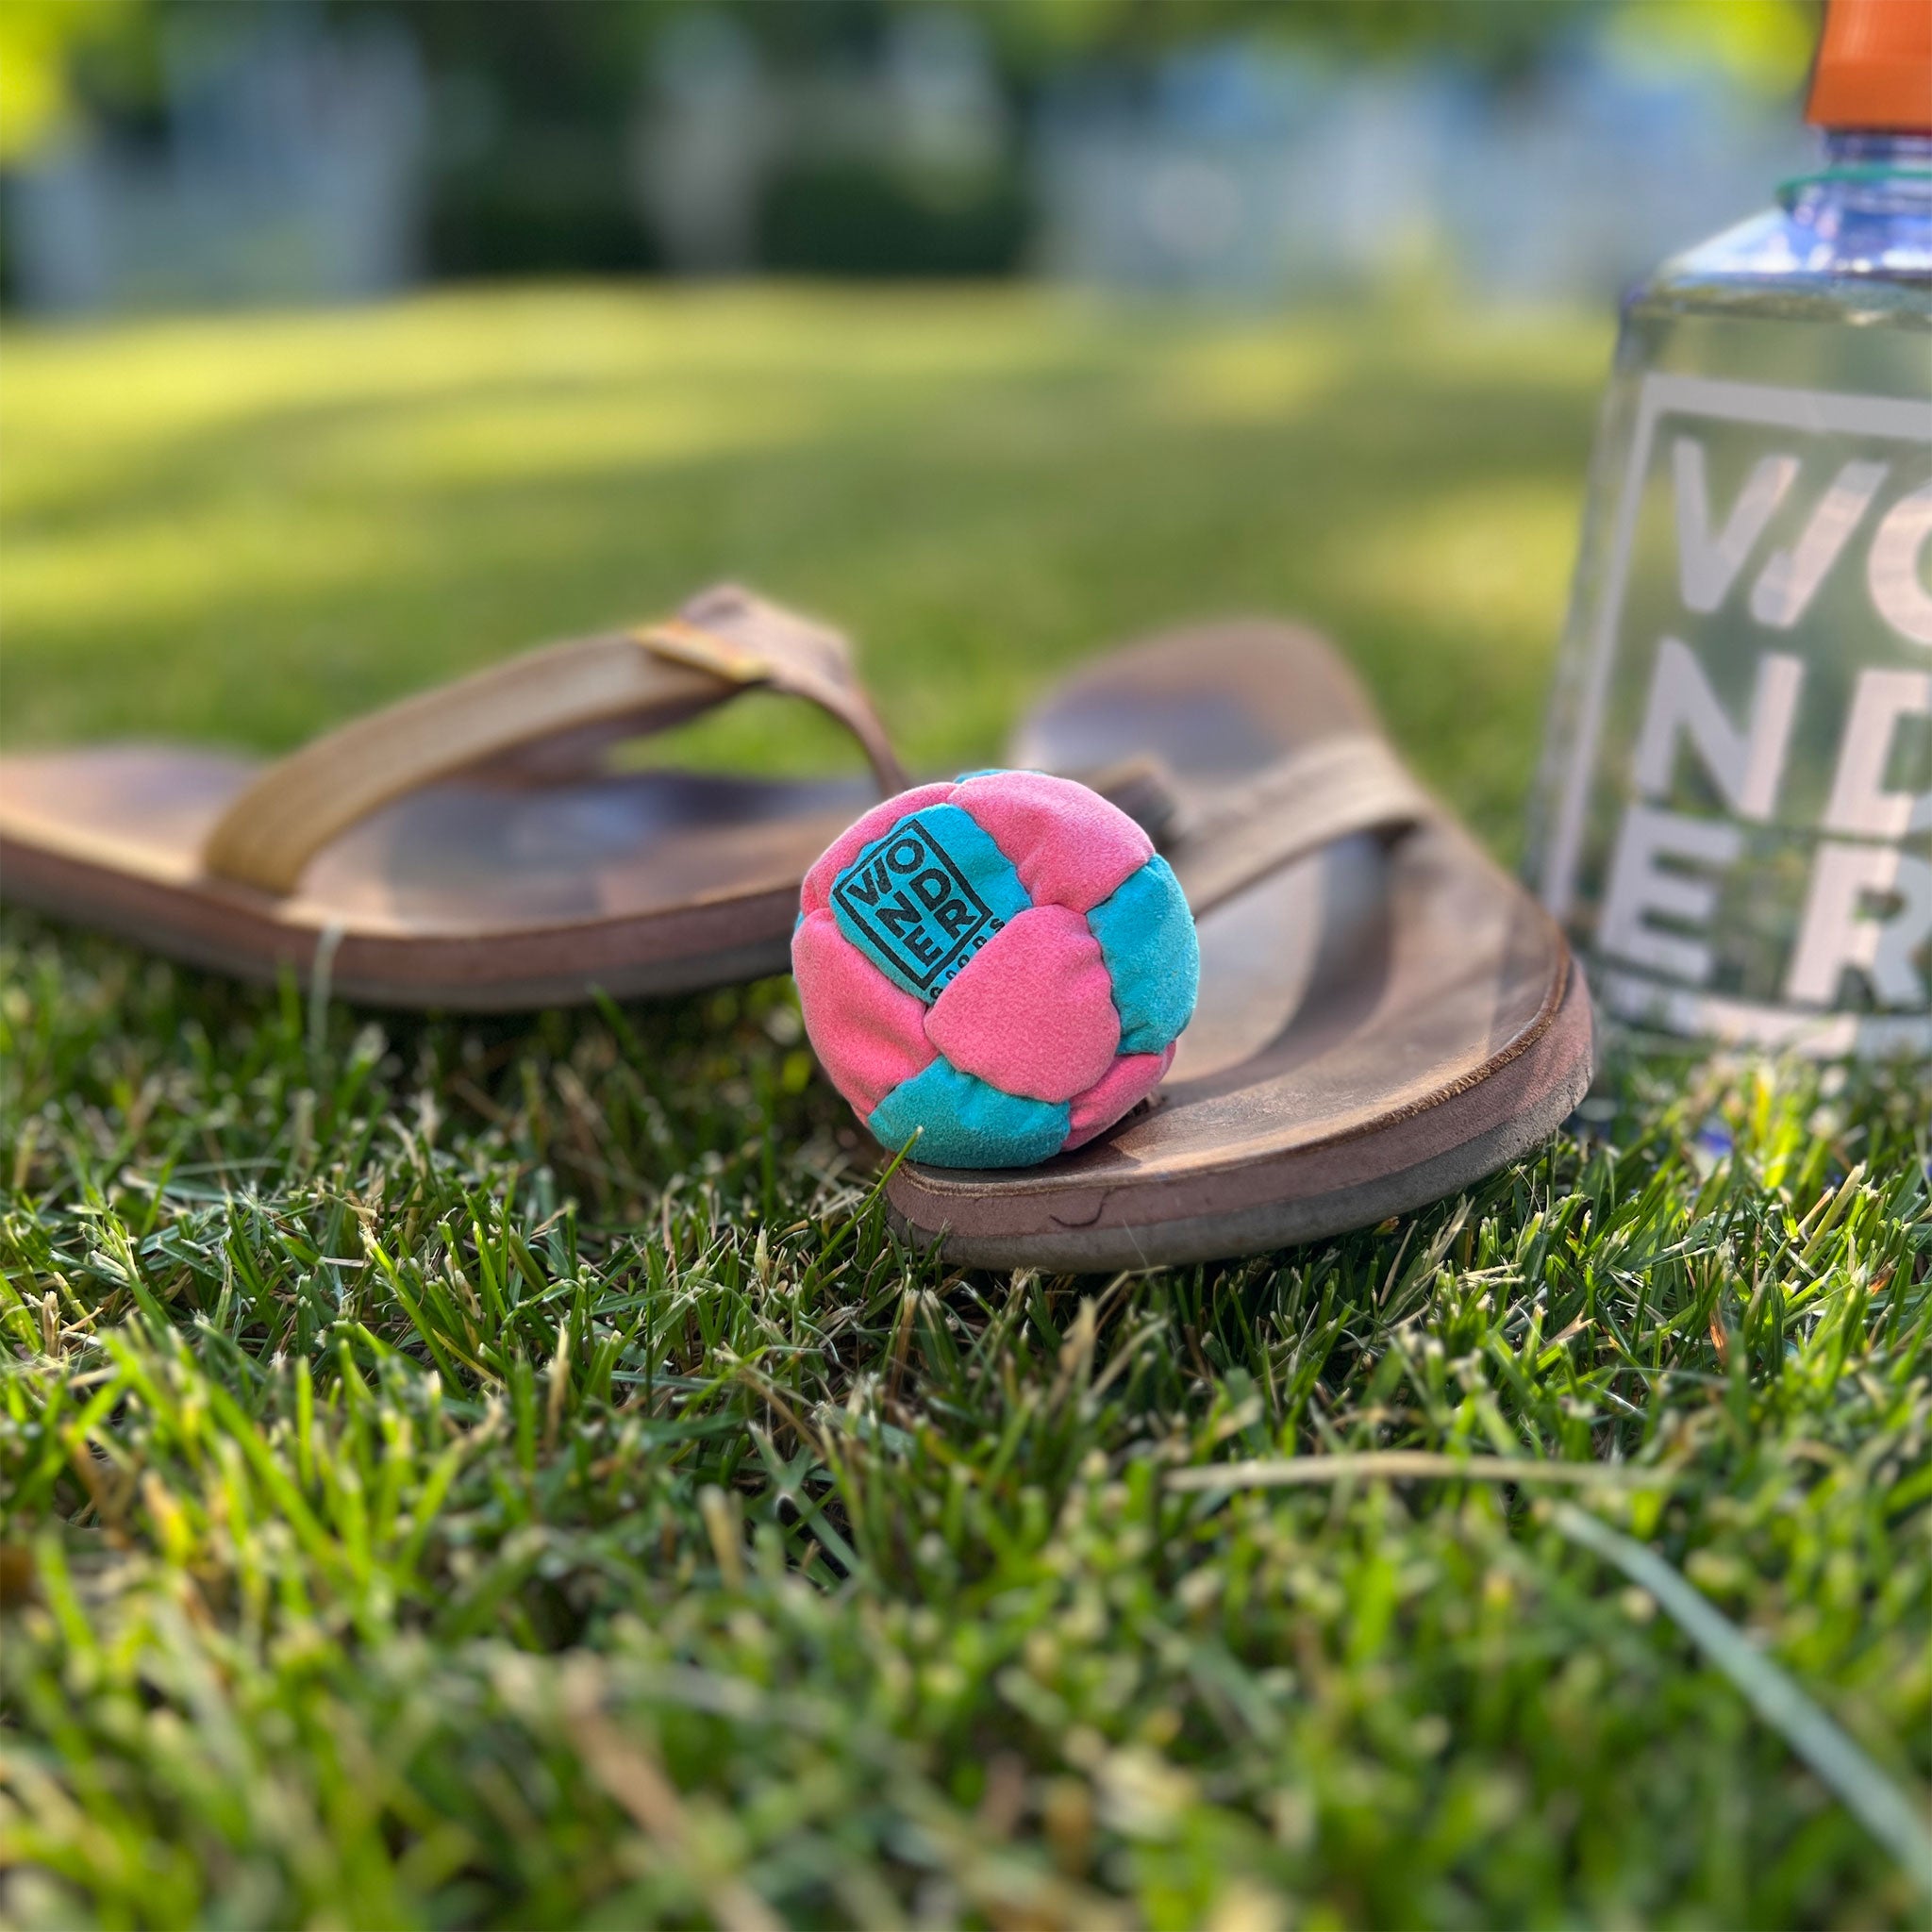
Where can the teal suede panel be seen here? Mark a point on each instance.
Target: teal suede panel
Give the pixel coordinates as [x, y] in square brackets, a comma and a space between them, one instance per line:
[921, 901]
[966, 1123]
[1147, 934]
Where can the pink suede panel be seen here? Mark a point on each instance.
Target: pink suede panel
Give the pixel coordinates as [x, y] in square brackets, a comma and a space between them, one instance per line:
[880, 819]
[1069, 846]
[1124, 1086]
[869, 1035]
[1033, 1012]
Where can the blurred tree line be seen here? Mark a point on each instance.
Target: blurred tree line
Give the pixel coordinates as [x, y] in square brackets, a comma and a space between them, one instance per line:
[540, 110]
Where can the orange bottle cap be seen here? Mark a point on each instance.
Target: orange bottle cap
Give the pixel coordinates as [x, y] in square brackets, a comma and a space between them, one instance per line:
[1875, 66]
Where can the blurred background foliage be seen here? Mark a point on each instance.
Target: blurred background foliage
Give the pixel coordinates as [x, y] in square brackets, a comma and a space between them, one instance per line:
[42, 46]
[946, 138]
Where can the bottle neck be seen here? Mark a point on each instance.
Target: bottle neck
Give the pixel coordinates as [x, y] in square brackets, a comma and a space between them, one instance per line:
[1867, 212]
[1867, 173]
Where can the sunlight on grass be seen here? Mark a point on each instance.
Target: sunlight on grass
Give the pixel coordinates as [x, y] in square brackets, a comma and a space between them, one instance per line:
[1249, 376]
[1489, 561]
[417, 1438]
[244, 530]
[510, 1473]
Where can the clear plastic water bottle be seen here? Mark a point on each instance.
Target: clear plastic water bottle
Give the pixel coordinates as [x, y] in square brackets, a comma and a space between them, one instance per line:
[1734, 820]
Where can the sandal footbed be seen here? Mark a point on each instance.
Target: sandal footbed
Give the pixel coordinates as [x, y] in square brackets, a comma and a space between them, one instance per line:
[1378, 1025]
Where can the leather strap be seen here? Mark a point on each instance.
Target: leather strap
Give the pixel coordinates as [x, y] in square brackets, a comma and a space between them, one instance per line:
[1142, 787]
[1335, 788]
[536, 716]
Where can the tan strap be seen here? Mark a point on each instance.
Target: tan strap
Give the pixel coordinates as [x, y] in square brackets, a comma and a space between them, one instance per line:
[1335, 788]
[570, 698]
[1144, 787]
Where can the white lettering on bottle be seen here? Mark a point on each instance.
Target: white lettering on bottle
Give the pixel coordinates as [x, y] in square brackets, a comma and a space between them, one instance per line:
[1747, 764]
[1640, 888]
[1708, 565]
[1837, 932]
[1790, 579]
[1891, 570]
[1860, 804]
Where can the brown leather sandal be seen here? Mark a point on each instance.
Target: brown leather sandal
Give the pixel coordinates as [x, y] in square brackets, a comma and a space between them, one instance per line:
[464, 848]
[1385, 1016]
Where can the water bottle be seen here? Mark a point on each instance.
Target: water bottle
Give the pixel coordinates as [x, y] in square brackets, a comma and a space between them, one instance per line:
[1734, 817]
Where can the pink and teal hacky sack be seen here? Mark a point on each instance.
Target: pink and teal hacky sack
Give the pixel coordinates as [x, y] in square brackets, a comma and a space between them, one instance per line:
[995, 970]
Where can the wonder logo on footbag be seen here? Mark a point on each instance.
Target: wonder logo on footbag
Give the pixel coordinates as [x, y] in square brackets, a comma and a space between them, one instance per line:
[912, 907]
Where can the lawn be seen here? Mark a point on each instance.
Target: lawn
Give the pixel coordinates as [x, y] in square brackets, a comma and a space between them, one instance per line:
[507, 1473]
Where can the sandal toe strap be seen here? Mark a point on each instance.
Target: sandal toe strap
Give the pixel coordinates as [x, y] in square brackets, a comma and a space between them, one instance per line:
[1350, 783]
[566, 699]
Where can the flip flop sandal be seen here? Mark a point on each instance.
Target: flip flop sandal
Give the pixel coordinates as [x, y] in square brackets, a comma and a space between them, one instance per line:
[1385, 1016]
[464, 848]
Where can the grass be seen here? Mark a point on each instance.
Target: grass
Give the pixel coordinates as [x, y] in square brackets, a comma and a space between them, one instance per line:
[507, 1472]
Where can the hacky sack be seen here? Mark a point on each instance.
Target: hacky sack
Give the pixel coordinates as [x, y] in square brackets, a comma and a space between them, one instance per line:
[994, 970]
